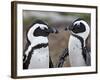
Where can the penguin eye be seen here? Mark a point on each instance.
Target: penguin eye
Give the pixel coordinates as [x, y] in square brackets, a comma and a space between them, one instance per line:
[78, 28]
[40, 32]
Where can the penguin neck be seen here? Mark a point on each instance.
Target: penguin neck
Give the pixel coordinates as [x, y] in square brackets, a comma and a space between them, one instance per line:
[81, 40]
[41, 45]
[38, 40]
[85, 34]
[35, 45]
[82, 36]
[75, 52]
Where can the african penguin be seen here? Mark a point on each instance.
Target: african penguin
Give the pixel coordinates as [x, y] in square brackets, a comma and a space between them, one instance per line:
[77, 50]
[36, 54]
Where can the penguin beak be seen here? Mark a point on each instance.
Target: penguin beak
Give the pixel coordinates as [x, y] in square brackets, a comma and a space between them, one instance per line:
[69, 28]
[52, 30]
[66, 28]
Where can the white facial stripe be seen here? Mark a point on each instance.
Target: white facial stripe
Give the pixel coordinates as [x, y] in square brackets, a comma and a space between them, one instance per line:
[85, 34]
[32, 29]
[42, 26]
[77, 22]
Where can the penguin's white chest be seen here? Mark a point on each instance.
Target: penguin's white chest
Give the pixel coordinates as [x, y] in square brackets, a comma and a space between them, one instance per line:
[75, 52]
[40, 58]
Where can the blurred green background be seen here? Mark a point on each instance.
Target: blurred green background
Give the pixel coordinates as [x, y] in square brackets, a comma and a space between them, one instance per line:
[60, 20]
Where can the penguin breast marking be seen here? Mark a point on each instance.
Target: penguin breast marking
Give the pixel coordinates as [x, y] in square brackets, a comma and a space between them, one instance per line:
[40, 58]
[75, 52]
[37, 53]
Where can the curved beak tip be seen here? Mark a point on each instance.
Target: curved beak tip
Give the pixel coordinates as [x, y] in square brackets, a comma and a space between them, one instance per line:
[57, 31]
[66, 29]
[53, 30]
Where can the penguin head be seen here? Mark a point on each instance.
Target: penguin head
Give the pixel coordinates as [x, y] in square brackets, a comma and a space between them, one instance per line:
[39, 29]
[79, 27]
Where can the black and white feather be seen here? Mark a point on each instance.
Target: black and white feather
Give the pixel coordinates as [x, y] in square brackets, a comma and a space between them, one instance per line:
[78, 52]
[36, 54]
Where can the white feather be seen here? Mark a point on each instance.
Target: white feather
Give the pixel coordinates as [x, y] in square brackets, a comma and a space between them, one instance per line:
[75, 48]
[75, 52]
[40, 58]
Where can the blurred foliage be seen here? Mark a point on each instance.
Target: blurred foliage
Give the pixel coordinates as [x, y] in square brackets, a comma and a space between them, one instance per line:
[49, 17]
[85, 16]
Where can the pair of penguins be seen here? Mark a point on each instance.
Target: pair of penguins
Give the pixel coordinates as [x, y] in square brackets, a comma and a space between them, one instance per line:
[36, 54]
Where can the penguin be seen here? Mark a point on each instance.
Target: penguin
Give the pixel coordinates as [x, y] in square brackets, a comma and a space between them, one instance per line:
[78, 53]
[36, 54]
